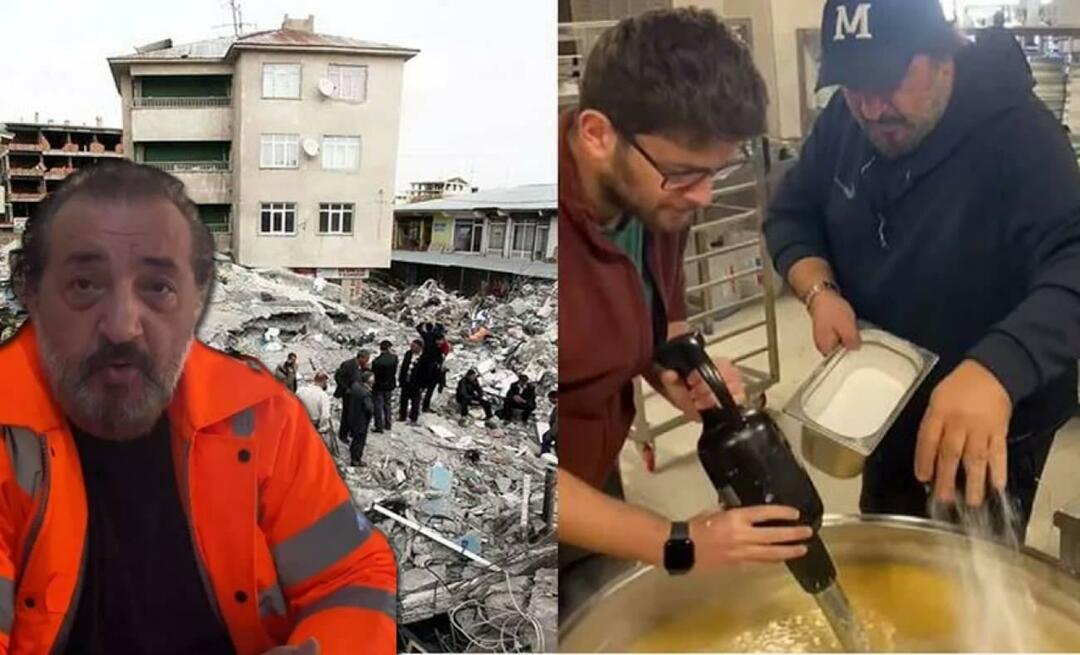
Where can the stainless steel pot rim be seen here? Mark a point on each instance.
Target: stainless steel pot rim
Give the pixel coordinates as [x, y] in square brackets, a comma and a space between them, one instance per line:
[635, 571]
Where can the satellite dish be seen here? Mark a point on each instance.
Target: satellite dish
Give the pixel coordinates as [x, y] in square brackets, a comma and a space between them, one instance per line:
[311, 147]
[326, 87]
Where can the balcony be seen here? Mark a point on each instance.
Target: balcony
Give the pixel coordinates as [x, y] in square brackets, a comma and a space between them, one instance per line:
[207, 182]
[181, 103]
[27, 197]
[176, 167]
[181, 119]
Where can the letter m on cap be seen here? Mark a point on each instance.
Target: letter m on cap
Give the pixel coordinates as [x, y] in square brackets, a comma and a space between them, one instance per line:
[857, 25]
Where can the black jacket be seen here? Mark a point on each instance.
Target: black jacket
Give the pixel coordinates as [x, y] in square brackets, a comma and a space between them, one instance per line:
[526, 391]
[361, 408]
[346, 373]
[429, 371]
[969, 247]
[468, 390]
[385, 368]
[407, 373]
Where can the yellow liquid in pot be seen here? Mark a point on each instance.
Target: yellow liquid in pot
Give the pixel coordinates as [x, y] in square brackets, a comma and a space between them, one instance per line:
[903, 607]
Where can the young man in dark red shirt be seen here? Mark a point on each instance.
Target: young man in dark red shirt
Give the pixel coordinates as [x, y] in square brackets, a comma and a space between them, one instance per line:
[667, 100]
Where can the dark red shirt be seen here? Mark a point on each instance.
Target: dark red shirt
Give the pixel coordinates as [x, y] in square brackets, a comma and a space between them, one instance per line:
[606, 333]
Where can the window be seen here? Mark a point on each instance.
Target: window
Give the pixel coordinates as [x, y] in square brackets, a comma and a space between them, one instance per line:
[278, 218]
[350, 82]
[524, 237]
[543, 229]
[280, 151]
[335, 218]
[281, 80]
[496, 236]
[341, 153]
[467, 233]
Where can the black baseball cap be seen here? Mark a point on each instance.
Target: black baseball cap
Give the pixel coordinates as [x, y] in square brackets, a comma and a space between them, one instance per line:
[869, 44]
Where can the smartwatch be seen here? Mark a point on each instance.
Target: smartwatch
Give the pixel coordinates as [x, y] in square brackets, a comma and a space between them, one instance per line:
[679, 549]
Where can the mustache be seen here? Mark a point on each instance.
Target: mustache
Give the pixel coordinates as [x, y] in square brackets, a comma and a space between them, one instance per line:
[890, 121]
[108, 354]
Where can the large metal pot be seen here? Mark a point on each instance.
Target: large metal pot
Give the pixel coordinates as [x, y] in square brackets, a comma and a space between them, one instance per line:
[905, 576]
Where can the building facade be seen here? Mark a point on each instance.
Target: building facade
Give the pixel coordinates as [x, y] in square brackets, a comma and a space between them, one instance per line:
[286, 139]
[472, 241]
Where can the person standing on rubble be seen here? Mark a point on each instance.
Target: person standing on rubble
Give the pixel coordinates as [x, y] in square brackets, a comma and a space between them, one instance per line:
[520, 398]
[469, 393]
[385, 369]
[667, 100]
[347, 373]
[361, 411]
[410, 386]
[158, 495]
[286, 372]
[429, 368]
[316, 401]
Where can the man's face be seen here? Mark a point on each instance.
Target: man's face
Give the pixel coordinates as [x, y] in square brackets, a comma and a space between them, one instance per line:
[417, 348]
[635, 184]
[292, 360]
[897, 120]
[115, 312]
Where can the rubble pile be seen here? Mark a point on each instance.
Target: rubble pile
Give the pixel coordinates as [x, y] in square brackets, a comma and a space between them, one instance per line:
[468, 487]
[11, 314]
[491, 570]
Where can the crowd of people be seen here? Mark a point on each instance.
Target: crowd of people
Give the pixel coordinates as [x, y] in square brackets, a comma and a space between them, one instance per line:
[366, 388]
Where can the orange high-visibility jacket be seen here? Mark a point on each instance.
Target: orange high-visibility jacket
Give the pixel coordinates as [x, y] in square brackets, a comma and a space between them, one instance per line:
[283, 554]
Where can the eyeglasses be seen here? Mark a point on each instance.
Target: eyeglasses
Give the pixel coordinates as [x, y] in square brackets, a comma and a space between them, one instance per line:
[687, 179]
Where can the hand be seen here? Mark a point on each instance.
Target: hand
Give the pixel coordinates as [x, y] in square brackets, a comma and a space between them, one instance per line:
[309, 647]
[967, 420]
[698, 396]
[729, 537]
[834, 322]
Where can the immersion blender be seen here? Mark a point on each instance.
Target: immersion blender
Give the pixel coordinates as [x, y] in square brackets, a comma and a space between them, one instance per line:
[750, 462]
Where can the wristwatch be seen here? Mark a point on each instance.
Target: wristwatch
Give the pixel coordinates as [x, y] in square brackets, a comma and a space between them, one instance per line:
[817, 289]
[679, 549]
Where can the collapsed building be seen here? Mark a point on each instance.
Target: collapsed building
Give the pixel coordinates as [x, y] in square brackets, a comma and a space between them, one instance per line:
[469, 509]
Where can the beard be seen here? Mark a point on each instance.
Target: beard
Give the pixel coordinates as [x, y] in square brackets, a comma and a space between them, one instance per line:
[616, 188]
[114, 414]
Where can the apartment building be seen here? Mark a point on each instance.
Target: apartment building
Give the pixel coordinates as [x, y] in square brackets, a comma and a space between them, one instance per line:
[478, 239]
[36, 158]
[5, 181]
[286, 139]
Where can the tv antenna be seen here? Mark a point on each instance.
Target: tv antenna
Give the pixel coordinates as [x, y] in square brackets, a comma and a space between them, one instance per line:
[236, 12]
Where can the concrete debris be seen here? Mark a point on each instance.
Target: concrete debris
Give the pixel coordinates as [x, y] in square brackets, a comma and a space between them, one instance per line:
[11, 312]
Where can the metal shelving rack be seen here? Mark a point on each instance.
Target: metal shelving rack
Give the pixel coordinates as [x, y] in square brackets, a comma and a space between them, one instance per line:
[738, 208]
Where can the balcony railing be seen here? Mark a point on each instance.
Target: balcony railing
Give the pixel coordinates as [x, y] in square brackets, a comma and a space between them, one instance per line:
[182, 103]
[190, 166]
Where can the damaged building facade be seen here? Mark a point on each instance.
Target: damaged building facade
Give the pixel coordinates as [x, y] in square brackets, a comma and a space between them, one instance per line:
[36, 158]
[478, 242]
[286, 139]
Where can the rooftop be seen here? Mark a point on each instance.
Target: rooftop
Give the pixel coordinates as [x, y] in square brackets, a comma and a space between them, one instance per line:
[528, 197]
[512, 265]
[294, 34]
[59, 127]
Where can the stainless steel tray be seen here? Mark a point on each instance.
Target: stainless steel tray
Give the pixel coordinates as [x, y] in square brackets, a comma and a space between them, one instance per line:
[854, 396]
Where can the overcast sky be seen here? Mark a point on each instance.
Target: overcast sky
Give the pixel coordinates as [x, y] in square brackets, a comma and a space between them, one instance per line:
[479, 100]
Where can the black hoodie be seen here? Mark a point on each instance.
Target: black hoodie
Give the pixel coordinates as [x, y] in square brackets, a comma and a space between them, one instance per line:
[969, 247]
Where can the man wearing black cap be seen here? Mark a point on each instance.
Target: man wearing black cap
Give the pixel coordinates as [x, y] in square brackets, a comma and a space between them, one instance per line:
[937, 198]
